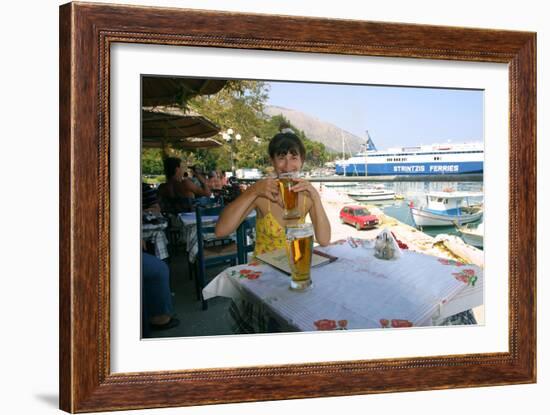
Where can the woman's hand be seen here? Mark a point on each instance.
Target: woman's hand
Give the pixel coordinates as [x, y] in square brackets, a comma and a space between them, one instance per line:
[302, 185]
[268, 188]
[321, 224]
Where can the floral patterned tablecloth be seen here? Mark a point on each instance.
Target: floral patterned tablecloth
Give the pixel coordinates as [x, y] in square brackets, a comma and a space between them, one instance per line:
[358, 291]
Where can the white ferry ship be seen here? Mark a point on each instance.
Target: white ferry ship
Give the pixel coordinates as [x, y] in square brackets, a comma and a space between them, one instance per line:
[434, 159]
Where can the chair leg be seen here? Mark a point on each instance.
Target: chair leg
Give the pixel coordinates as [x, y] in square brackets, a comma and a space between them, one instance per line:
[200, 284]
[194, 267]
[204, 303]
[168, 262]
[203, 284]
[191, 268]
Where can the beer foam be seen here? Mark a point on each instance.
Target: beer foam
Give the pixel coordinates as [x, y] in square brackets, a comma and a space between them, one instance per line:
[299, 231]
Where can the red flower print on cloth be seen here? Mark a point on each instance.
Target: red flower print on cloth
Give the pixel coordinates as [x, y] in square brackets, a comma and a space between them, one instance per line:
[450, 262]
[248, 273]
[467, 276]
[253, 276]
[326, 324]
[401, 323]
[395, 323]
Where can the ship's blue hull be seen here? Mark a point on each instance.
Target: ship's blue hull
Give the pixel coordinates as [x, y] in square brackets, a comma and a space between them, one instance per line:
[408, 169]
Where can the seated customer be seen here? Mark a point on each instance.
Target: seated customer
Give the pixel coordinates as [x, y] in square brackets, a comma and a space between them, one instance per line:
[156, 298]
[214, 181]
[149, 200]
[178, 193]
[287, 154]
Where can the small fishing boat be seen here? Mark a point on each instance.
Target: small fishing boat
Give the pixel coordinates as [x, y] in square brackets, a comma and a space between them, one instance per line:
[340, 184]
[472, 235]
[447, 209]
[374, 194]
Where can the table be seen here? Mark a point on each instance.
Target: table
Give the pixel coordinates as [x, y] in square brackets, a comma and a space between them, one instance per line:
[154, 232]
[358, 291]
[189, 230]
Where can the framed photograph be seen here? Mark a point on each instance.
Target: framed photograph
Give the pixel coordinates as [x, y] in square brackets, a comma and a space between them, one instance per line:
[117, 65]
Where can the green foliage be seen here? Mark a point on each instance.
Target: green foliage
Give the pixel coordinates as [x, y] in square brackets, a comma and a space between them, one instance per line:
[239, 106]
[151, 161]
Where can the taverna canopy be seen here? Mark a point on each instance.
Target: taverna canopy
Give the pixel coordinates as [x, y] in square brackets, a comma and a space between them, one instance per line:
[168, 90]
[170, 124]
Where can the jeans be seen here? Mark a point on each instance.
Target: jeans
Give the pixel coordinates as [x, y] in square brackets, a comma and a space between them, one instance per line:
[156, 298]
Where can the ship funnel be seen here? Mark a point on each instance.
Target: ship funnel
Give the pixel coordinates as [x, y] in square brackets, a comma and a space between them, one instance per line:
[370, 143]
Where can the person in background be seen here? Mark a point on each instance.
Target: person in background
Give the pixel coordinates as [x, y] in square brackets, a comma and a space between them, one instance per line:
[157, 309]
[287, 154]
[196, 170]
[223, 178]
[178, 193]
[156, 243]
[156, 295]
[149, 200]
[214, 181]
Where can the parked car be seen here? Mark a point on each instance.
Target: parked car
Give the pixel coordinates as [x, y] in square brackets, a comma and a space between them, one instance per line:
[359, 216]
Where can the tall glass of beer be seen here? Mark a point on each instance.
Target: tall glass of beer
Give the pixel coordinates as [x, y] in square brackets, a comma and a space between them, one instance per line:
[299, 247]
[290, 198]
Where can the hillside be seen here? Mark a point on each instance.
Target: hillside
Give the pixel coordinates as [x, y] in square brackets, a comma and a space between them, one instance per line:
[317, 130]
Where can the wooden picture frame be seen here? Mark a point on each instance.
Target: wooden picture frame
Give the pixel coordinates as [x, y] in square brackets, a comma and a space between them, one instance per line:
[86, 33]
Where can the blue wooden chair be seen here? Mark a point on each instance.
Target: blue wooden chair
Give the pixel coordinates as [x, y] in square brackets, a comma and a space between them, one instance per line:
[245, 239]
[212, 251]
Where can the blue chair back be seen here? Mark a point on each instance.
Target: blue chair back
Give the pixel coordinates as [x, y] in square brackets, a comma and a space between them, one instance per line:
[203, 242]
[245, 233]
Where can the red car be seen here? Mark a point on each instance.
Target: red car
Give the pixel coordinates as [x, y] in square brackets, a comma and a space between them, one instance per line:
[358, 216]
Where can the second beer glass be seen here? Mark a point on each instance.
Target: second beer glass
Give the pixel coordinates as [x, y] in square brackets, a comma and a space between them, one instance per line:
[299, 247]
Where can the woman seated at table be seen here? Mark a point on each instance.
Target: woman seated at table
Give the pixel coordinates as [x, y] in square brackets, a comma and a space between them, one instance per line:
[178, 193]
[287, 154]
[157, 308]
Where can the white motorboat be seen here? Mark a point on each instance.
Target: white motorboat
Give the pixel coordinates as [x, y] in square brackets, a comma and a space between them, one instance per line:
[340, 184]
[472, 235]
[447, 209]
[368, 195]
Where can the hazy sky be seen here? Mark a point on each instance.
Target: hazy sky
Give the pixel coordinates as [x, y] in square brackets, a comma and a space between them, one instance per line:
[394, 116]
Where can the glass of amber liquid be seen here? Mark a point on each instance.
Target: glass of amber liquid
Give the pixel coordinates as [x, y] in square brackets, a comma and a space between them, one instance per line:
[299, 247]
[290, 198]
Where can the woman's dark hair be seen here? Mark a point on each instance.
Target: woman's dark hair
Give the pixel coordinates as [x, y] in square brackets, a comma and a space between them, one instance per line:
[284, 143]
[170, 166]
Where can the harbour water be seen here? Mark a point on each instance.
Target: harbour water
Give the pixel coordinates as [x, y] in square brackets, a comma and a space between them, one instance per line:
[415, 193]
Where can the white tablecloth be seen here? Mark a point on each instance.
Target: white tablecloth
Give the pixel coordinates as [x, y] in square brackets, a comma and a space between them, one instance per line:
[189, 221]
[358, 291]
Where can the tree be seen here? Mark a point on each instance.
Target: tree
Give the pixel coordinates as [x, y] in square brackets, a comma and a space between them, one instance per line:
[151, 161]
[239, 106]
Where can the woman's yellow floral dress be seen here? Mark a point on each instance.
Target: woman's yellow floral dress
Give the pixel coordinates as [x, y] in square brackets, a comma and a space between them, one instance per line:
[270, 235]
